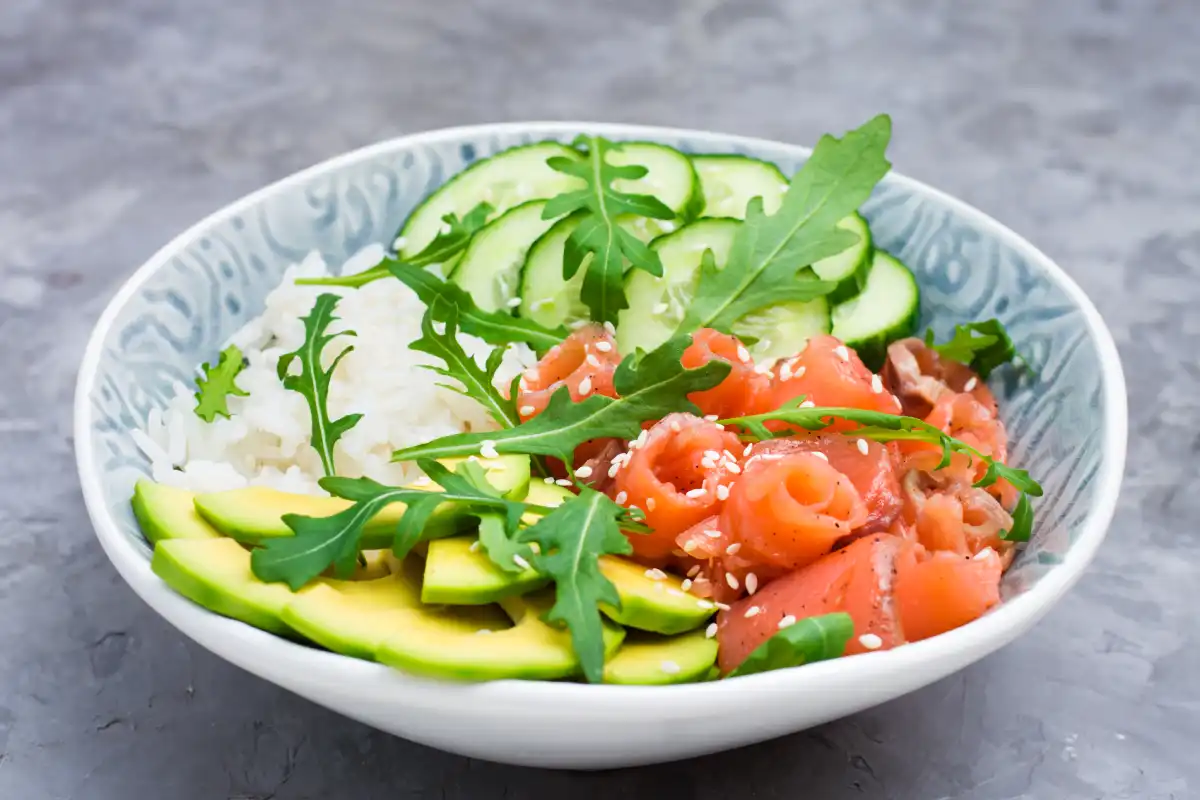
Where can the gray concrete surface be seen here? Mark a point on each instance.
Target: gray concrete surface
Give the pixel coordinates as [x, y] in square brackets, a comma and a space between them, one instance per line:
[122, 122]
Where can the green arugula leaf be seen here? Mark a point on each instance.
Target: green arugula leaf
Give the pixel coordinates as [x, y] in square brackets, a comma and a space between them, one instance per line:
[496, 539]
[449, 242]
[651, 385]
[571, 539]
[808, 640]
[598, 205]
[982, 346]
[473, 381]
[313, 380]
[769, 258]
[880, 427]
[218, 383]
[1022, 526]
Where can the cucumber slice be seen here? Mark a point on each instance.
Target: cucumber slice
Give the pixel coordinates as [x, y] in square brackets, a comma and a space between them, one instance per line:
[886, 310]
[656, 305]
[490, 268]
[848, 268]
[549, 300]
[730, 181]
[505, 180]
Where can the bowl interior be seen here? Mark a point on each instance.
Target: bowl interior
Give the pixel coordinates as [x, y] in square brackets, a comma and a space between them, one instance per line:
[182, 306]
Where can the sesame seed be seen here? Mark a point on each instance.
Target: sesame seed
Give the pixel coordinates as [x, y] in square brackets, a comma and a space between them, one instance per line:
[399, 243]
[549, 481]
[694, 493]
[674, 426]
[660, 308]
[686, 584]
[656, 574]
[746, 452]
[474, 548]
[527, 411]
[712, 533]
[651, 503]
[669, 667]
[870, 641]
[742, 353]
[621, 498]
[751, 583]
[520, 561]
[722, 492]
[563, 482]
[487, 449]
[808, 404]
[785, 372]
[583, 472]
[632, 507]
[863, 447]
[614, 469]
[708, 463]
[841, 352]
[592, 360]
[711, 454]
[694, 571]
[642, 437]
[733, 548]
[722, 606]
[603, 347]
[585, 386]
[985, 553]
[787, 622]
[689, 546]
[513, 302]
[711, 417]
[734, 468]
[707, 605]
[732, 580]
[751, 611]
[799, 373]
[876, 384]
[971, 384]
[612, 330]
[821, 456]
[710, 631]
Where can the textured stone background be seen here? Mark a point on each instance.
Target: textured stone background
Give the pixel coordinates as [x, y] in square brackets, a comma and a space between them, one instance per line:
[122, 122]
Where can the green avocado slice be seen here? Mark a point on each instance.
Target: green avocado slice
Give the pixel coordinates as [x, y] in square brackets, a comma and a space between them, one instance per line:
[167, 512]
[255, 513]
[649, 660]
[457, 575]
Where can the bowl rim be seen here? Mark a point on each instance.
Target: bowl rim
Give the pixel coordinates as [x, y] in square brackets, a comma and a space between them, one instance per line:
[975, 640]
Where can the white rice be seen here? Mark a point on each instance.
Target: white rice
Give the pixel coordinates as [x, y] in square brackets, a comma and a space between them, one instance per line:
[266, 442]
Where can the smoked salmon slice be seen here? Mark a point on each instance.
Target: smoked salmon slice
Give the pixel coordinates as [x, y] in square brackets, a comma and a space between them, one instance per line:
[584, 362]
[919, 377]
[678, 473]
[829, 373]
[744, 391]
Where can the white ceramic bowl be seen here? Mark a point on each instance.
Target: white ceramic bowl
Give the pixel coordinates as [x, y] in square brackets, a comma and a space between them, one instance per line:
[1069, 430]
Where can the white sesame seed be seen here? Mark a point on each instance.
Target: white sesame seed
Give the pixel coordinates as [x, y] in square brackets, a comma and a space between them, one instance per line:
[520, 561]
[399, 243]
[742, 353]
[711, 417]
[651, 503]
[808, 404]
[712, 533]
[642, 437]
[710, 631]
[785, 372]
[592, 360]
[669, 667]
[711, 454]
[694, 571]
[722, 606]
[612, 331]
[563, 482]
[487, 449]
[985, 553]
[474, 548]
[614, 468]
[722, 492]
[749, 447]
[821, 456]
[527, 411]
[707, 605]
[870, 641]
[583, 472]
[585, 386]
[787, 621]
[734, 468]
[751, 582]
[621, 498]
[971, 384]
[751, 611]
[876, 384]
[732, 580]
[603, 346]
[689, 546]
[841, 352]
[694, 493]
[660, 308]
[799, 372]
[656, 574]
[685, 584]
[708, 463]
[513, 302]
[733, 548]
[632, 507]
[674, 426]
[862, 446]
[549, 481]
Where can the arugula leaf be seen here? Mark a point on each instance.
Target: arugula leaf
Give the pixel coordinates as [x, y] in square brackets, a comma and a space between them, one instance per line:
[982, 346]
[1022, 526]
[313, 381]
[448, 243]
[651, 385]
[808, 640]
[881, 427]
[473, 381]
[598, 205]
[218, 383]
[769, 256]
[494, 327]
[571, 538]
[496, 540]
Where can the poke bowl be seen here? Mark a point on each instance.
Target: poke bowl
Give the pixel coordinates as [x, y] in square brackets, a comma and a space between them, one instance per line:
[589, 445]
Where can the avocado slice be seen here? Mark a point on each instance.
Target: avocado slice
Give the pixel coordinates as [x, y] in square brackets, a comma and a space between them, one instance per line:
[444, 645]
[649, 660]
[167, 512]
[457, 575]
[216, 574]
[255, 513]
[661, 606]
